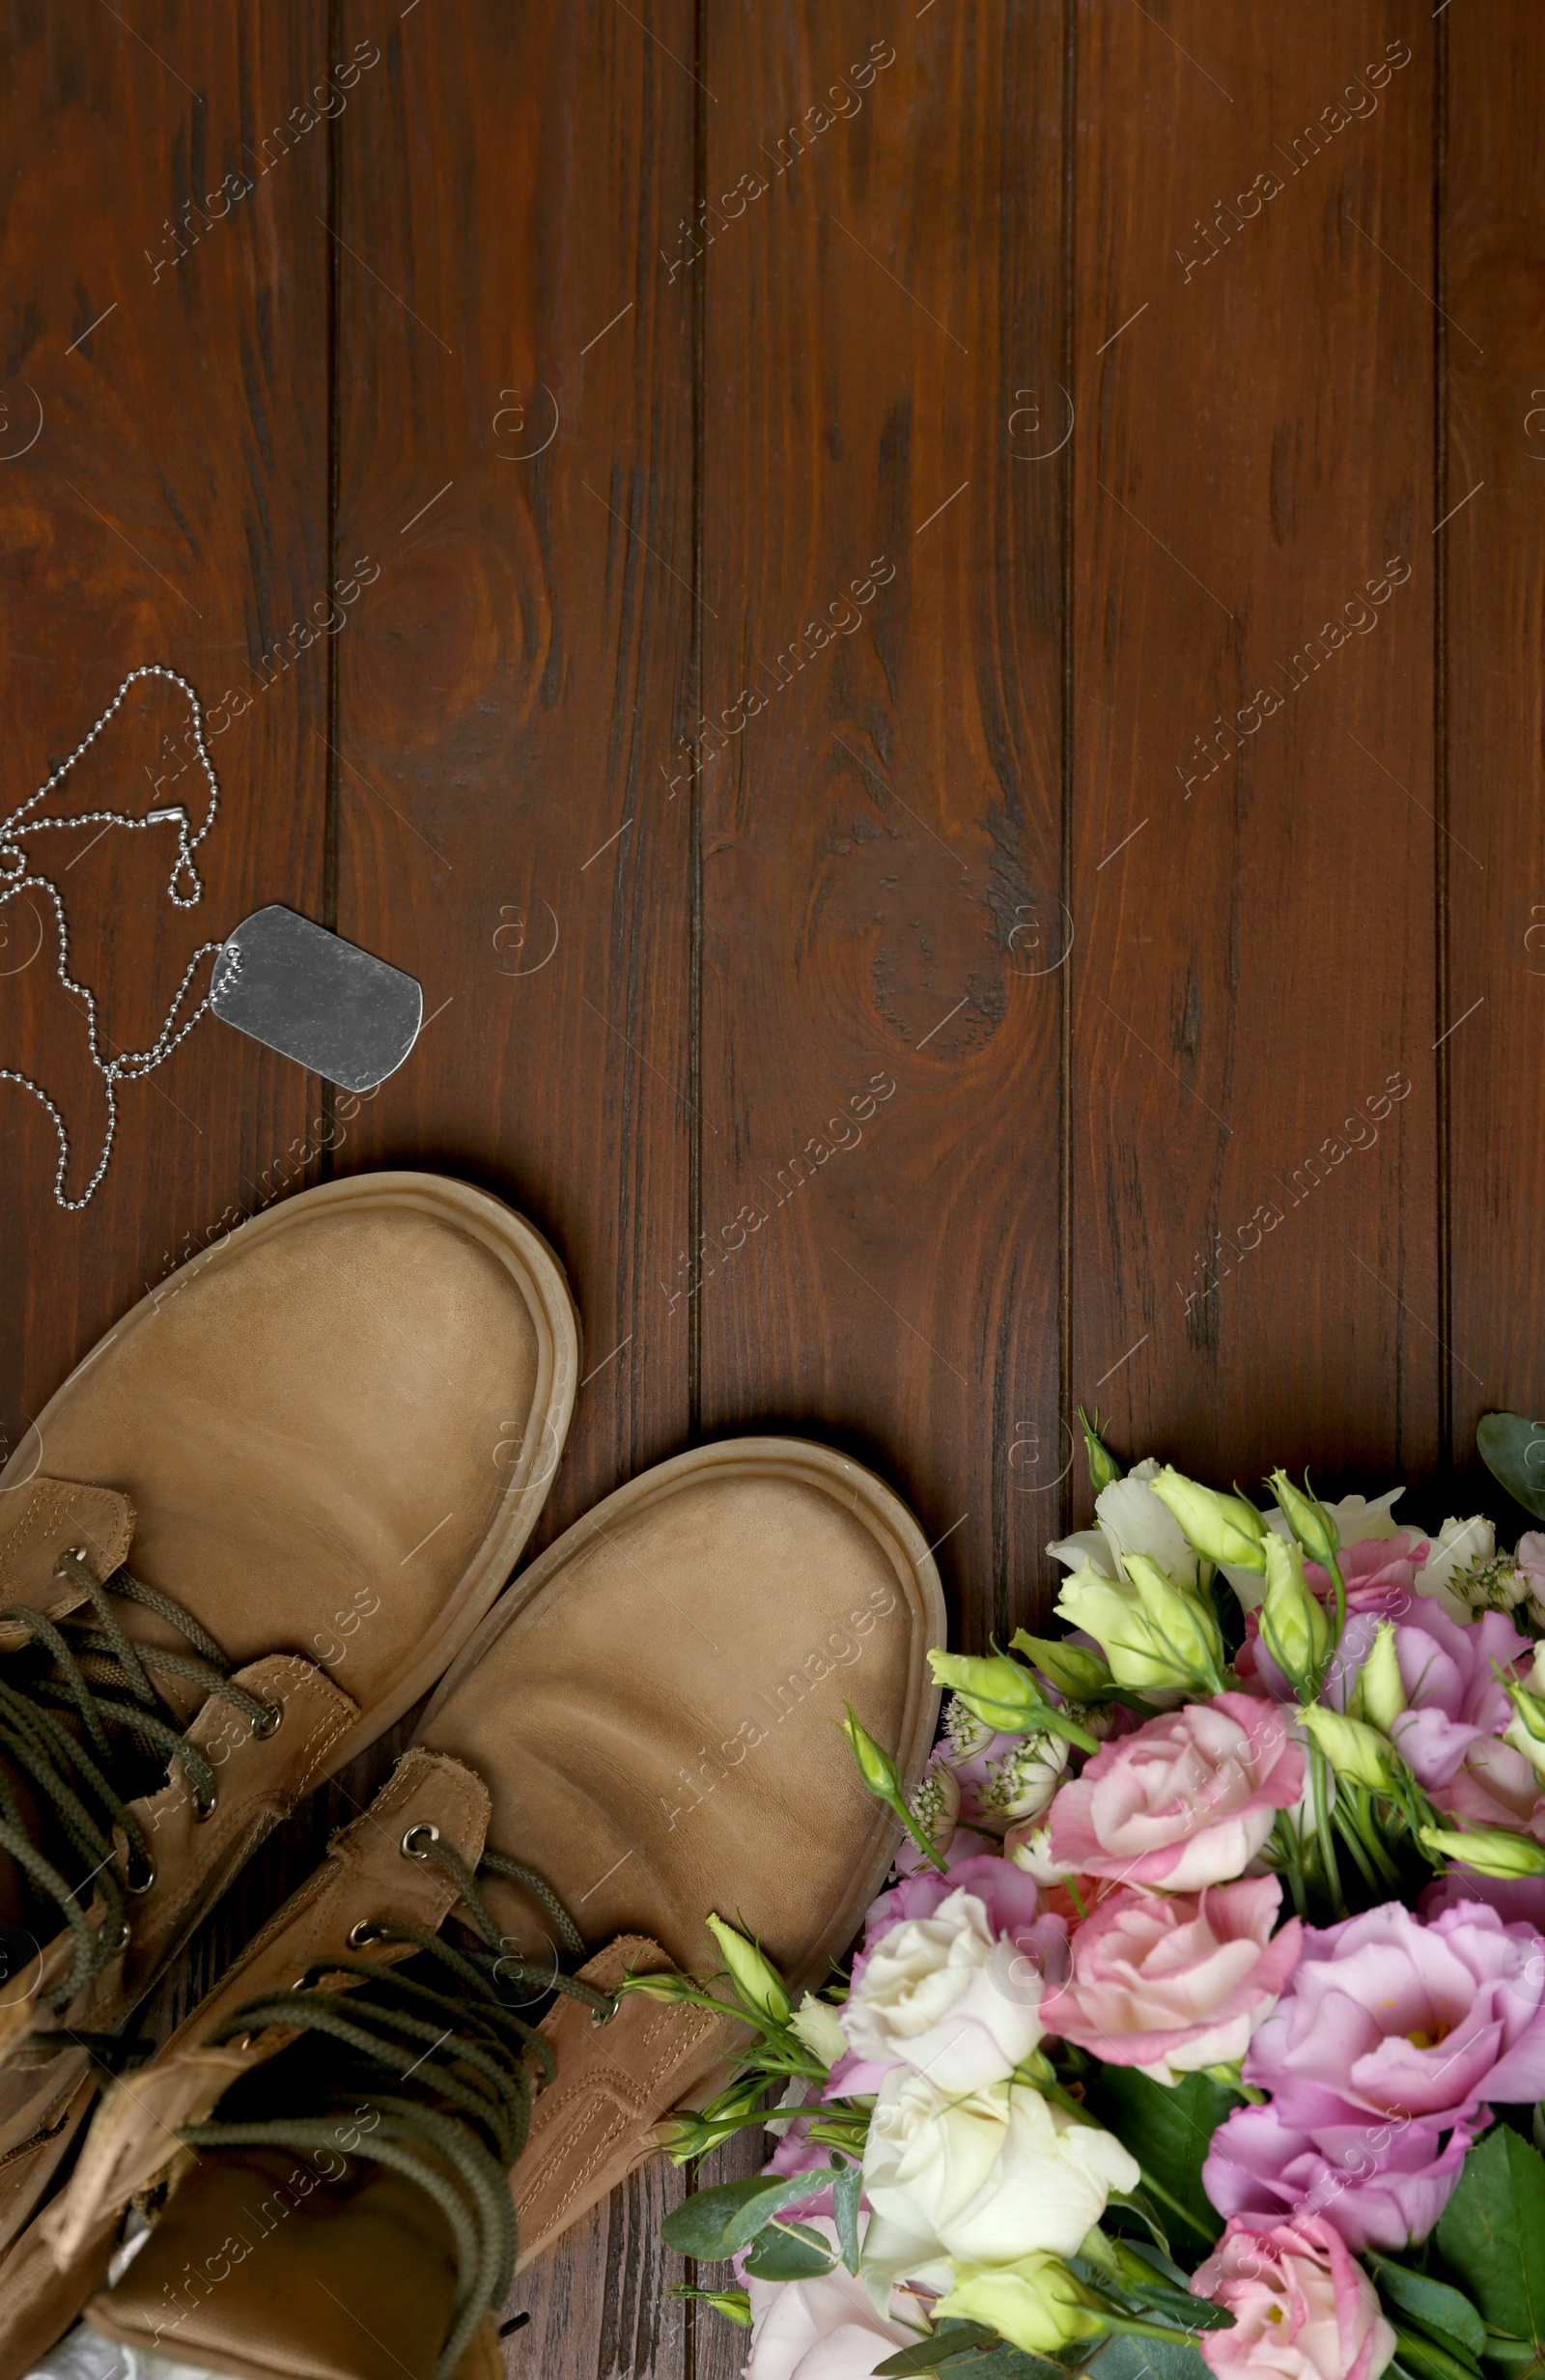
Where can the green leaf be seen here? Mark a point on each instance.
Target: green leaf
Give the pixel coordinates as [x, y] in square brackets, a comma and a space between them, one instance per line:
[1169, 2131]
[1492, 2234]
[1513, 1449]
[789, 2252]
[1426, 2359]
[1156, 2359]
[847, 2191]
[951, 2339]
[715, 2223]
[1445, 2312]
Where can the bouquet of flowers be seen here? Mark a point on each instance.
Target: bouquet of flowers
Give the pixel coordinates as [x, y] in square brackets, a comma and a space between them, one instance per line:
[1203, 2026]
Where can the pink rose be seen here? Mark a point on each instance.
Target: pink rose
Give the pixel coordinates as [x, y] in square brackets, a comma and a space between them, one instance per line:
[1391, 2033]
[1178, 1982]
[1187, 1801]
[825, 2329]
[1303, 2310]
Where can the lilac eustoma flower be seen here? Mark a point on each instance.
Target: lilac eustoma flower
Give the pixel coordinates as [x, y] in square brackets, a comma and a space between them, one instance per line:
[1383, 2059]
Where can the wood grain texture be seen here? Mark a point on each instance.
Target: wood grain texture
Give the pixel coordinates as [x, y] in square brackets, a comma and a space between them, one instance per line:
[171, 325]
[877, 760]
[523, 458]
[1492, 849]
[1256, 1255]
[820, 492]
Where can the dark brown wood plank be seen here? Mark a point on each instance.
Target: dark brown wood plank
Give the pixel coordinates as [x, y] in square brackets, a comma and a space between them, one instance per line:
[1491, 851]
[166, 310]
[504, 825]
[1255, 1276]
[878, 759]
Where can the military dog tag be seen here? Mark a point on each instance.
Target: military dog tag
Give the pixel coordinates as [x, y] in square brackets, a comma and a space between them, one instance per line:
[317, 999]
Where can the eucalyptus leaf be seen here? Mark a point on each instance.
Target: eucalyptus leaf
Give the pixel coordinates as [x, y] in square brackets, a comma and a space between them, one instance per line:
[1437, 2308]
[715, 2223]
[951, 2339]
[1491, 2236]
[1514, 1450]
[1145, 2359]
[847, 2191]
[789, 2252]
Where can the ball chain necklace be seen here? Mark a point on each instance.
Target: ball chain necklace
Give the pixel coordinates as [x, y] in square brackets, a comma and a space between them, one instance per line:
[286, 981]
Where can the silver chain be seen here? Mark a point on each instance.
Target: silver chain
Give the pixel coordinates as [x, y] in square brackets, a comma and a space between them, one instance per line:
[15, 878]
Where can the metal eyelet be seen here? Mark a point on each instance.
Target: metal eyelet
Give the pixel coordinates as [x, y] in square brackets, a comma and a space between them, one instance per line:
[270, 1724]
[140, 1885]
[203, 1811]
[75, 1553]
[410, 1838]
[603, 2016]
[367, 1930]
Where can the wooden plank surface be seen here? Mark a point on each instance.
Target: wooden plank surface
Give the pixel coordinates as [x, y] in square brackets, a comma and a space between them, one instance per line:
[821, 490]
[1254, 1221]
[166, 313]
[1492, 849]
[879, 764]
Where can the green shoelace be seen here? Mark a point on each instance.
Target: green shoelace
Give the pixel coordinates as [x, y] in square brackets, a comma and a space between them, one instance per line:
[466, 2066]
[122, 1743]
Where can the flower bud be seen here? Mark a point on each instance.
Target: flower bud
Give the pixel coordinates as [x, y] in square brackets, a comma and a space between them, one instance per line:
[1525, 1732]
[1104, 1468]
[660, 1986]
[815, 2024]
[1153, 1632]
[999, 1693]
[1380, 1685]
[1072, 1669]
[1354, 1751]
[1225, 1528]
[1306, 1517]
[876, 1767]
[1296, 1632]
[1036, 2304]
[755, 1978]
[1488, 1850]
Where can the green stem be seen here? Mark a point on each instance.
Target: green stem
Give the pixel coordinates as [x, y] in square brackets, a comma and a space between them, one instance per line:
[1131, 2328]
[1291, 1852]
[1322, 1824]
[1347, 1829]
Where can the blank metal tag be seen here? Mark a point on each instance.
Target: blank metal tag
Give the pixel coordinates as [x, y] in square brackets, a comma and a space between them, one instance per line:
[317, 999]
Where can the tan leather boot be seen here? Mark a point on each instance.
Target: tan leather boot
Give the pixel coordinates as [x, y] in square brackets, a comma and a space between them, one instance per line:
[648, 1718]
[320, 1448]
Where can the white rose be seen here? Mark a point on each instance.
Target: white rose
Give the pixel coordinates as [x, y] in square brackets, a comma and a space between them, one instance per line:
[982, 2180]
[947, 1998]
[1132, 1520]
